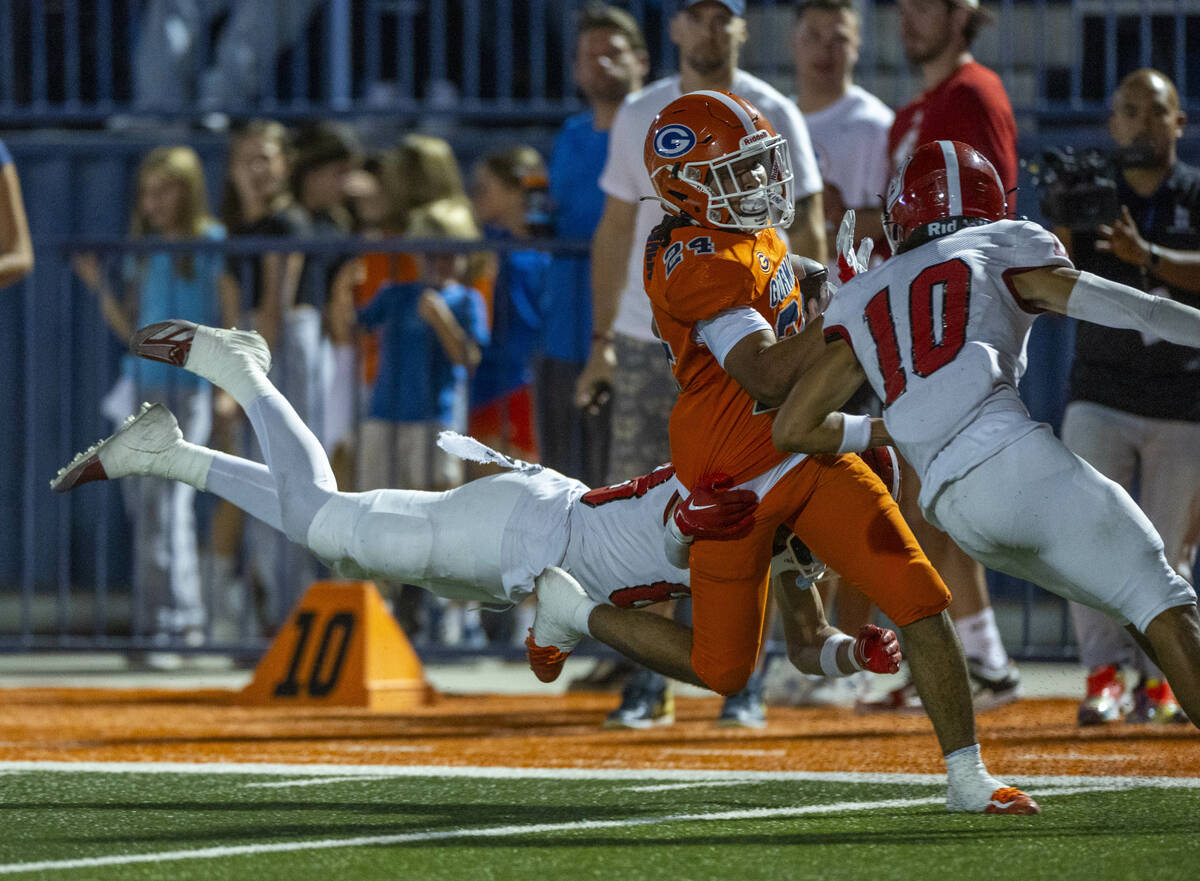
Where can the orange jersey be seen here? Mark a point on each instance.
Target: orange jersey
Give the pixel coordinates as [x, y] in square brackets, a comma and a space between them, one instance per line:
[693, 274]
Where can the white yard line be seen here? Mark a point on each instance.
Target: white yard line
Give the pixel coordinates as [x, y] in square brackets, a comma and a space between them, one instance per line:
[277, 769]
[209, 853]
[666, 787]
[310, 781]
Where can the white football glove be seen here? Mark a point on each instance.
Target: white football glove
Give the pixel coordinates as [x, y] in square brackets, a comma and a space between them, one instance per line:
[849, 262]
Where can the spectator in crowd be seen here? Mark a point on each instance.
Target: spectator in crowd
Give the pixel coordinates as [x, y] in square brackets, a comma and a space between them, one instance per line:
[1135, 400]
[171, 202]
[848, 125]
[293, 312]
[508, 192]
[421, 171]
[849, 130]
[432, 330]
[625, 355]
[256, 201]
[16, 248]
[610, 62]
[961, 101]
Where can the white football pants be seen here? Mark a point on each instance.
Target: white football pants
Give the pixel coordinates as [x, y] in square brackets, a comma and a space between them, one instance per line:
[1039, 512]
[450, 543]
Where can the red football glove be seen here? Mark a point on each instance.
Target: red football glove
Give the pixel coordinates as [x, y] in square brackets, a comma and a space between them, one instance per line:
[883, 461]
[714, 511]
[877, 650]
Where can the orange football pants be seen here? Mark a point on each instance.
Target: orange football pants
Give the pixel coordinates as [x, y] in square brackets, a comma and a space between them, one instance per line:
[844, 514]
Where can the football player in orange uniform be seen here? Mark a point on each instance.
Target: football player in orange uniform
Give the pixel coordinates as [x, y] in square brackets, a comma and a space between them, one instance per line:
[729, 311]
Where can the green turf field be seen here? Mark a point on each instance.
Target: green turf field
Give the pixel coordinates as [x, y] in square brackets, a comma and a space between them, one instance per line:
[365, 823]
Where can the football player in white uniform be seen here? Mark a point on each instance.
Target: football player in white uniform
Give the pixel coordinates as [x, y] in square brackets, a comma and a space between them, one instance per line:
[492, 540]
[940, 332]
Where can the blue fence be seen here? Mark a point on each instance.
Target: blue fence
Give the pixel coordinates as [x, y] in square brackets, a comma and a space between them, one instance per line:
[71, 61]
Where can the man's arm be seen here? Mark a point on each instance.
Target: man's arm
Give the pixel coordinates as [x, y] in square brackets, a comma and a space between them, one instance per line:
[1091, 298]
[1178, 268]
[767, 367]
[611, 246]
[454, 340]
[806, 235]
[808, 421]
[16, 246]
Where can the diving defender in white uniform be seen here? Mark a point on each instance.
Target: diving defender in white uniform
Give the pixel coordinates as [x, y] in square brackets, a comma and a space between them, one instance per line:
[491, 540]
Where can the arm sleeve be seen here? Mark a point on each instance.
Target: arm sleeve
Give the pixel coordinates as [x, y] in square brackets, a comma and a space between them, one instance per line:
[729, 328]
[1112, 304]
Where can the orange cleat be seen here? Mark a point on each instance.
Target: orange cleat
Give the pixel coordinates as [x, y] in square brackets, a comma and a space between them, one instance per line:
[1010, 800]
[546, 662]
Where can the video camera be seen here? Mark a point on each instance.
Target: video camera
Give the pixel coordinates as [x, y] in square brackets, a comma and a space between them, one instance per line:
[1079, 189]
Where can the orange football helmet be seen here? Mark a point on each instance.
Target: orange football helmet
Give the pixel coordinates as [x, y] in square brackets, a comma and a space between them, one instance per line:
[713, 156]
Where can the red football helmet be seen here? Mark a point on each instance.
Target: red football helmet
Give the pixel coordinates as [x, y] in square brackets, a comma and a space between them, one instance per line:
[942, 181]
[713, 156]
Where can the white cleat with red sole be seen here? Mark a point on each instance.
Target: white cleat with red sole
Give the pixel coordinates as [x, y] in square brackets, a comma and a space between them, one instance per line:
[137, 447]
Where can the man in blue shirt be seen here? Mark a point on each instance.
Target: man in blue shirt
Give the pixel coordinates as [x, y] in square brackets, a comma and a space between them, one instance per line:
[610, 62]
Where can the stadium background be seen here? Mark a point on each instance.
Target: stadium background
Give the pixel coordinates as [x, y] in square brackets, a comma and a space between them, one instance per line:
[476, 73]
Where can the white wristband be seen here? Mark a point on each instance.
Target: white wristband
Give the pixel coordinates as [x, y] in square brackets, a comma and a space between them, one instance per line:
[856, 433]
[829, 652]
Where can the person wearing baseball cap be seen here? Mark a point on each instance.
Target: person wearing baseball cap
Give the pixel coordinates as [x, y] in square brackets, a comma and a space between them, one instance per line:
[737, 7]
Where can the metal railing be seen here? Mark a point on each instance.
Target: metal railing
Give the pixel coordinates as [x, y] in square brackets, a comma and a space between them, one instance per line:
[71, 61]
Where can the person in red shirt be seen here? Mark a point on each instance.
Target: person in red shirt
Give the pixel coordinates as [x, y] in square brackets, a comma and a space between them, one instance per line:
[961, 101]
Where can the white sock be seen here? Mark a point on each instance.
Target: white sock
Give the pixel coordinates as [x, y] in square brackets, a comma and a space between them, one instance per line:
[980, 638]
[968, 779]
[237, 375]
[581, 613]
[187, 463]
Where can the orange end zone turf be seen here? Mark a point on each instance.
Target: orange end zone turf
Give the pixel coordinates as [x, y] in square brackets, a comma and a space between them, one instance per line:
[340, 647]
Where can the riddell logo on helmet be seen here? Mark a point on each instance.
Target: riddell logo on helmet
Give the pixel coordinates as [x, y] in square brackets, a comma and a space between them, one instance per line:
[674, 140]
[755, 138]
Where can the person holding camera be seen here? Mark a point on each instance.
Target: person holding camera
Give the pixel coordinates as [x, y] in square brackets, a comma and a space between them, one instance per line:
[1134, 412]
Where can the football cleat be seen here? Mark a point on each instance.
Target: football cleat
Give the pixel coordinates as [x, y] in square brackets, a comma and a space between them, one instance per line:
[646, 701]
[902, 699]
[132, 449]
[1154, 702]
[553, 636]
[209, 352]
[993, 687]
[1010, 800]
[1107, 699]
[746, 709]
[1002, 800]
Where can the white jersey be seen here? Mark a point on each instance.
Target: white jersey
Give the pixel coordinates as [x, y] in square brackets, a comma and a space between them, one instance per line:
[625, 176]
[849, 138]
[941, 335]
[487, 540]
